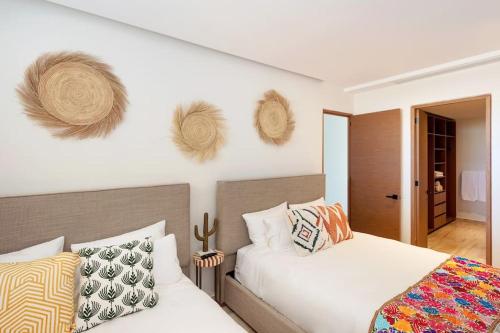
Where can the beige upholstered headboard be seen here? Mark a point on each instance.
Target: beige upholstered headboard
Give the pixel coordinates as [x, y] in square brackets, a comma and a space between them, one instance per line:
[86, 216]
[235, 198]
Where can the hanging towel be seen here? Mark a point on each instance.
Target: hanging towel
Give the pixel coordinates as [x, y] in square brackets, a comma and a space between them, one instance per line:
[470, 186]
[481, 195]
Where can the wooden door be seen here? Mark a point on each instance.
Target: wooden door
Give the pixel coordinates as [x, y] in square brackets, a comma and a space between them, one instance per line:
[422, 181]
[375, 173]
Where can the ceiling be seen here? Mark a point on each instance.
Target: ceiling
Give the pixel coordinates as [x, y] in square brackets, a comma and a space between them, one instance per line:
[462, 110]
[343, 41]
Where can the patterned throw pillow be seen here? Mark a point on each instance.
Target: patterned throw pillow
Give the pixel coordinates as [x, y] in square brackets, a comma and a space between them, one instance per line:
[115, 281]
[37, 296]
[335, 221]
[308, 232]
[318, 228]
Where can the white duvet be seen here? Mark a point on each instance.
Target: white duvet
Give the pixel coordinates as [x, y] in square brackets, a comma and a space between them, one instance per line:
[339, 289]
[182, 307]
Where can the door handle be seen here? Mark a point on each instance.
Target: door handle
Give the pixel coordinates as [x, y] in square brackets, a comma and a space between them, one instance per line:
[392, 196]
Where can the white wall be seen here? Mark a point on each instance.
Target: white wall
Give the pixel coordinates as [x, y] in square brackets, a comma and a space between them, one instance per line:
[471, 156]
[470, 82]
[158, 73]
[336, 159]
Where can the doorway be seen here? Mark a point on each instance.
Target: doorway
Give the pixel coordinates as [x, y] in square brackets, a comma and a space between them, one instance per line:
[451, 203]
[336, 157]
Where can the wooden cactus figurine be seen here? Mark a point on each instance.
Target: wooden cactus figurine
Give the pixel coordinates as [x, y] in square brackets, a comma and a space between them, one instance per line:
[206, 233]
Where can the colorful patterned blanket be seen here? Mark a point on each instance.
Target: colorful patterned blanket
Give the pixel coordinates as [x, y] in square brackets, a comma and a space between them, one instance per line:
[459, 296]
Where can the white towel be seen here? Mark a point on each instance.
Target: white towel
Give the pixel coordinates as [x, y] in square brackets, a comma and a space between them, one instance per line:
[469, 186]
[474, 186]
[481, 189]
[438, 174]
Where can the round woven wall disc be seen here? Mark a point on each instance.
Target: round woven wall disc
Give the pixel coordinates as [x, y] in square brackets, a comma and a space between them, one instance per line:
[273, 119]
[199, 131]
[75, 93]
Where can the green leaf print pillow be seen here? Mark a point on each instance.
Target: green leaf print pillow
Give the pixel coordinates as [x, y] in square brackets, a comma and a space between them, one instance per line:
[115, 281]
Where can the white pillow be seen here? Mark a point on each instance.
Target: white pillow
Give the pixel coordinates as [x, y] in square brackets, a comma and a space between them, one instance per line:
[317, 202]
[155, 231]
[166, 268]
[277, 233]
[39, 251]
[255, 223]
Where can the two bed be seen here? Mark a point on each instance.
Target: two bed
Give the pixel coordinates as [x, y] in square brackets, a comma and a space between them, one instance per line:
[86, 216]
[336, 290]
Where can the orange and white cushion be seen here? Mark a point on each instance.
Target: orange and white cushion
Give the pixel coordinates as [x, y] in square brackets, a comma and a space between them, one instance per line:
[335, 221]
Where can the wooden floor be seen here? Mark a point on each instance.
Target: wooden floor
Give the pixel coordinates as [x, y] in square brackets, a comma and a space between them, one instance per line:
[462, 237]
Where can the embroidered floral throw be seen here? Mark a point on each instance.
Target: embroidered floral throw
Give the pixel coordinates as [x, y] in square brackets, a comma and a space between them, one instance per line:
[115, 281]
[459, 296]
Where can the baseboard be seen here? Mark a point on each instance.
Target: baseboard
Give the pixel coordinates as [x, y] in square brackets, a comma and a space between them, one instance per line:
[471, 216]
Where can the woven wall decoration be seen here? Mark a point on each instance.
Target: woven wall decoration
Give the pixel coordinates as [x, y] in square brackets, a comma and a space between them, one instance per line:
[273, 118]
[73, 94]
[199, 130]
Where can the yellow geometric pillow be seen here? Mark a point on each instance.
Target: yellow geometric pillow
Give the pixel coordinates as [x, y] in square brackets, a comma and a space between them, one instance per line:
[37, 296]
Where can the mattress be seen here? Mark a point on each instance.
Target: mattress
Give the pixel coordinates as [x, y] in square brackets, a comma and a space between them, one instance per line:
[339, 289]
[182, 307]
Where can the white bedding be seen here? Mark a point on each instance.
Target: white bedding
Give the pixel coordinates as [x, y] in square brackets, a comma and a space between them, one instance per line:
[182, 308]
[339, 289]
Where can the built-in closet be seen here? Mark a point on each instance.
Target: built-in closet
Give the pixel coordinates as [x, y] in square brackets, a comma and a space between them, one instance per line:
[442, 171]
[452, 198]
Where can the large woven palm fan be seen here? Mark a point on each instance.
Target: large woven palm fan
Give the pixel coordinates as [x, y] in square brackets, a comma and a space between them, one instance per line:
[199, 130]
[273, 118]
[73, 94]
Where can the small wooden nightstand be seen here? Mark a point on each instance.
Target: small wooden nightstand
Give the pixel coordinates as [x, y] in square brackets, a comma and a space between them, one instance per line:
[213, 261]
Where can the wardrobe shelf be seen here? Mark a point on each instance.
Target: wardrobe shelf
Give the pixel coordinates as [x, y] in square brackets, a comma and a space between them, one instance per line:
[441, 156]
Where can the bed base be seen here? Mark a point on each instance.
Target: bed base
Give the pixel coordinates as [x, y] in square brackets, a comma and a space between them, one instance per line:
[259, 315]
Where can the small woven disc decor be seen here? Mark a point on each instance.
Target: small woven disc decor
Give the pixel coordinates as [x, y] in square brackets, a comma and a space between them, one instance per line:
[274, 119]
[199, 130]
[73, 94]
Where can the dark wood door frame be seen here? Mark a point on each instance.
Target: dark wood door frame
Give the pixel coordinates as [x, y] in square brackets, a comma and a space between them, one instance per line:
[348, 116]
[415, 160]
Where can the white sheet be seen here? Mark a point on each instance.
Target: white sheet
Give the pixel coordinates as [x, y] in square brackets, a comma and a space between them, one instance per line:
[473, 186]
[339, 289]
[182, 308]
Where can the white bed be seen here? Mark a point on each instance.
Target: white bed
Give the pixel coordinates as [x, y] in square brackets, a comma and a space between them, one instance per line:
[182, 308]
[339, 289]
